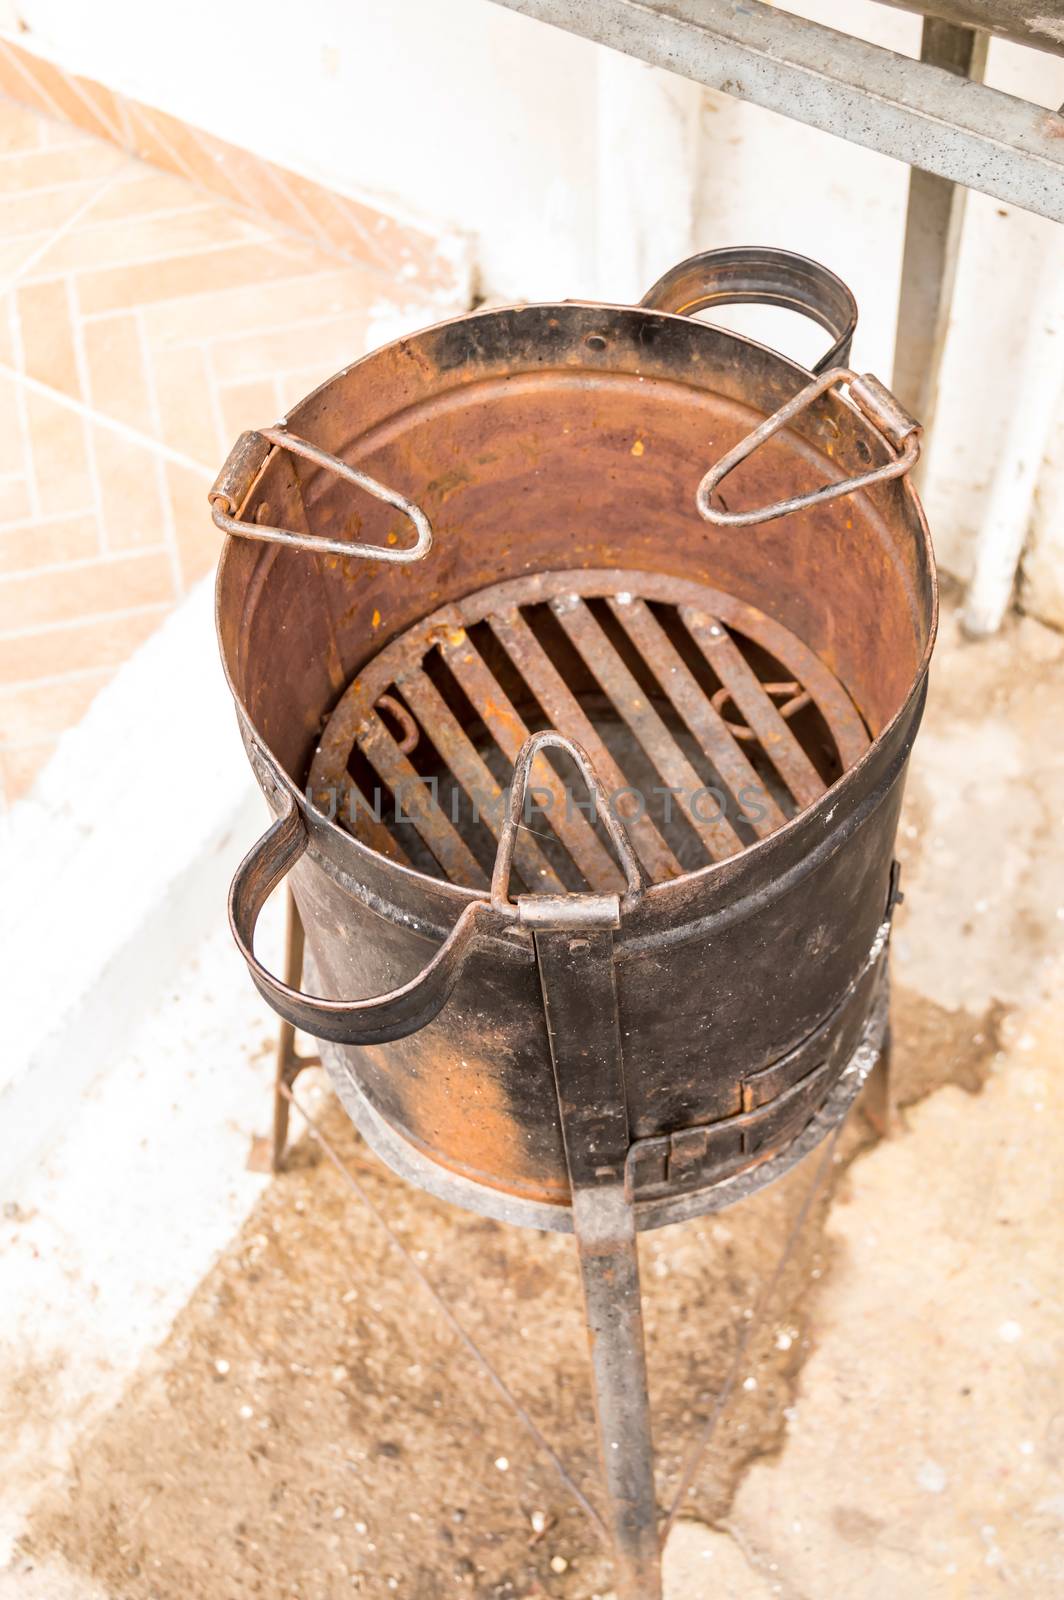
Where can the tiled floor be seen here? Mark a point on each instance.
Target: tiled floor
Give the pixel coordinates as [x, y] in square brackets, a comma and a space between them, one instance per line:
[144, 323]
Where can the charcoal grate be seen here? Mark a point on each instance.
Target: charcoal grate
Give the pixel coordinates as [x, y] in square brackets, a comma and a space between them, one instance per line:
[708, 722]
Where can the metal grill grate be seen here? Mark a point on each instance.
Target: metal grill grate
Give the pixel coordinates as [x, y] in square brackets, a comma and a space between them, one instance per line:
[671, 688]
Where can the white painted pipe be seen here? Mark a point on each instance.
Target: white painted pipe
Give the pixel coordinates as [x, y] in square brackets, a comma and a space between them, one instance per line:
[1010, 504]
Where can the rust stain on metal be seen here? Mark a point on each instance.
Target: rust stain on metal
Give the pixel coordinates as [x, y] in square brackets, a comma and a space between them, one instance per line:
[527, 422]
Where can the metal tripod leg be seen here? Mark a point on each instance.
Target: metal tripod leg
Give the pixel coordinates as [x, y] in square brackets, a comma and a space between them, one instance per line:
[604, 1224]
[574, 950]
[289, 1064]
[879, 1103]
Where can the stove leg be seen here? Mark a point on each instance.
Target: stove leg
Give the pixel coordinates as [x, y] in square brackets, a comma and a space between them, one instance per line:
[289, 1064]
[604, 1224]
[573, 936]
[576, 969]
[879, 1103]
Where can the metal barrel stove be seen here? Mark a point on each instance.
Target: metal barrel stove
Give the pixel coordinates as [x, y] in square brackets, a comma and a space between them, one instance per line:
[586, 762]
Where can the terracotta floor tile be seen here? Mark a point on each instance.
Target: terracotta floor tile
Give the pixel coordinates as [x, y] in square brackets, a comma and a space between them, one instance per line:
[36, 711]
[59, 455]
[144, 324]
[55, 133]
[182, 390]
[118, 243]
[330, 344]
[25, 546]
[146, 191]
[114, 359]
[65, 594]
[216, 312]
[247, 405]
[231, 266]
[132, 516]
[16, 251]
[12, 445]
[15, 499]
[198, 540]
[64, 164]
[8, 358]
[19, 766]
[81, 646]
[46, 333]
[40, 210]
[20, 129]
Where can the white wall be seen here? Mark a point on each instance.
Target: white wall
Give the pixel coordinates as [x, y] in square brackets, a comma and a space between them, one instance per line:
[427, 104]
[580, 173]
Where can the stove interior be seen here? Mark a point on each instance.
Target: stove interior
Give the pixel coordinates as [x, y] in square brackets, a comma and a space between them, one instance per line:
[708, 725]
[556, 451]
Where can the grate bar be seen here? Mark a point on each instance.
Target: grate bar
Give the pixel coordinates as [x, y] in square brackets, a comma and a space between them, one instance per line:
[754, 705]
[564, 711]
[507, 728]
[370, 829]
[828, 695]
[475, 776]
[344, 801]
[414, 798]
[718, 726]
[689, 699]
[676, 772]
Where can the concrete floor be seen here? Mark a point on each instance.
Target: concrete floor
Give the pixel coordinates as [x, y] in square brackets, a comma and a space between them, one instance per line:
[309, 1427]
[925, 1447]
[925, 1444]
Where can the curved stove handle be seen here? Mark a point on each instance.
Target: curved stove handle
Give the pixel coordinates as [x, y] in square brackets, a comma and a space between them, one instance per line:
[875, 403]
[403, 1011]
[761, 275]
[376, 1021]
[247, 457]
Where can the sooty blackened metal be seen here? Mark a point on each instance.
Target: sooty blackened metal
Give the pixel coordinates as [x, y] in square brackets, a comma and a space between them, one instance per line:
[685, 993]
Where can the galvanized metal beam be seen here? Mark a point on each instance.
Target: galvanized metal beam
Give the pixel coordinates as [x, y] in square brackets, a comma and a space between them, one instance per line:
[908, 109]
[933, 227]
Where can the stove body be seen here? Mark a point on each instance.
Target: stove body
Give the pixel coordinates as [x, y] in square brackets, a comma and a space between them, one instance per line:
[674, 1009]
[545, 439]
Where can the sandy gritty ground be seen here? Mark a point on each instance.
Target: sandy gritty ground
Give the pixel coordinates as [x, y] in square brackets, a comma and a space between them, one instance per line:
[312, 1427]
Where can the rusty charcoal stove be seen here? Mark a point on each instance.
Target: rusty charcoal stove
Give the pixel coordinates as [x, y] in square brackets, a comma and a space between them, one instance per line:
[587, 796]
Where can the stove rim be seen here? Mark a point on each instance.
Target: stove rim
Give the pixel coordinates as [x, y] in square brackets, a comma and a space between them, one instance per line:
[662, 903]
[662, 906]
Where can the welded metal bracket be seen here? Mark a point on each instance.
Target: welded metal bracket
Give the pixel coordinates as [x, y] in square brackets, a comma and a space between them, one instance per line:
[573, 937]
[578, 978]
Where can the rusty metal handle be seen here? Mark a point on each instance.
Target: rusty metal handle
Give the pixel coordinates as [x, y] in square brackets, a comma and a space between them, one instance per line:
[388, 1016]
[405, 1010]
[873, 400]
[631, 866]
[761, 275]
[229, 490]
